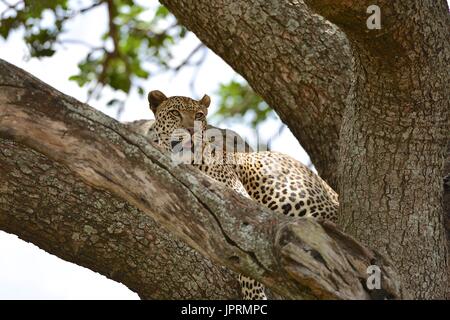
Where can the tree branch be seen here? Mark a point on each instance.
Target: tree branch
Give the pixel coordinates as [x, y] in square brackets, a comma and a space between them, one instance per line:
[42, 202]
[133, 185]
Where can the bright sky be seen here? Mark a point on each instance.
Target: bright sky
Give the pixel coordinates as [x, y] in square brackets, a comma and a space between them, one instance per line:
[27, 272]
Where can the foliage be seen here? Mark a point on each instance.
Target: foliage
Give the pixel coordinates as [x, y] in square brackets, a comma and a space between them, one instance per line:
[238, 100]
[138, 42]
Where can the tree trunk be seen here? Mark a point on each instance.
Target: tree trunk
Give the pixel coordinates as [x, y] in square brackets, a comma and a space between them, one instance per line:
[394, 136]
[80, 185]
[447, 205]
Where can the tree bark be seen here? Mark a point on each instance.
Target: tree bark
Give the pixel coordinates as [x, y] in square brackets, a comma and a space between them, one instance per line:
[80, 185]
[43, 202]
[394, 135]
[297, 61]
[447, 205]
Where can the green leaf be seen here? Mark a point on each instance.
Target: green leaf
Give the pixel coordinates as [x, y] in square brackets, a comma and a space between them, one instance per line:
[7, 25]
[239, 101]
[79, 79]
[162, 12]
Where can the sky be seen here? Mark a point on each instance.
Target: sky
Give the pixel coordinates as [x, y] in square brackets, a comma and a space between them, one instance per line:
[27, 272]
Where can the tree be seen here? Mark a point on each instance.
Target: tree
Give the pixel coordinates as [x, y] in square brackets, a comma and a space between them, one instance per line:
[370, 106]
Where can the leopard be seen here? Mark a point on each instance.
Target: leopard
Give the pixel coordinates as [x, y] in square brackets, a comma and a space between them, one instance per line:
[273, 179]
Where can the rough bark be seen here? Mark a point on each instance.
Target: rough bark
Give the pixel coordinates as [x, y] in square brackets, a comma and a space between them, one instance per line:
[447, 204]
[297, 61]
[447, 193]
[43, 202]
[394, 135]
[83, 187]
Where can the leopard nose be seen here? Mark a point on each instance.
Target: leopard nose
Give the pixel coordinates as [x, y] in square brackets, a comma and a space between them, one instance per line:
[190, 130]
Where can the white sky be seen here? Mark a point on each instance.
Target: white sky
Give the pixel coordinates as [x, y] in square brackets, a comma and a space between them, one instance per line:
[27, 272]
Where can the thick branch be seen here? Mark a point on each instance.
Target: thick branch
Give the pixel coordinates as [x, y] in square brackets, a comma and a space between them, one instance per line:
[295, 258]
[42, 202]
[298, 62]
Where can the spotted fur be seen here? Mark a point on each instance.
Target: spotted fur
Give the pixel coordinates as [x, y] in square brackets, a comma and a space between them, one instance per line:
[285, 185]
[275, 180]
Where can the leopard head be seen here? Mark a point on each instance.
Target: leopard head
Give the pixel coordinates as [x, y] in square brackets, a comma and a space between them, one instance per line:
[178, 119]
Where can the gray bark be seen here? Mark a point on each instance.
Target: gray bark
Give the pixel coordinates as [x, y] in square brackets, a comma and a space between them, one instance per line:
[447, 204]
[80, 185]
[394, 136]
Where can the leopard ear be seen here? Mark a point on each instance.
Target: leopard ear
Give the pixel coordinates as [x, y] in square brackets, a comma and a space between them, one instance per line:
[205, 101]
[155, 98]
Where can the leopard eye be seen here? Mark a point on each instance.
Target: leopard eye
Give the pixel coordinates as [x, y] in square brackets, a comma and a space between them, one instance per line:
[175, 113]
[199, 116]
